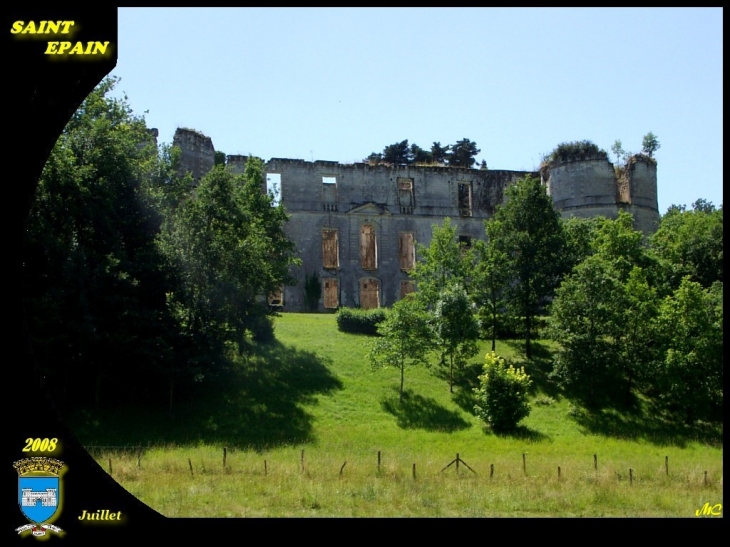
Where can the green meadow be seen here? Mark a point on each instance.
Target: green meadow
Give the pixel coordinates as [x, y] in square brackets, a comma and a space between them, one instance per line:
[308, 429]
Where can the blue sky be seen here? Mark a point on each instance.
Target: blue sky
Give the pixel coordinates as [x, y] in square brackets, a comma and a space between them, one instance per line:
[338, 84]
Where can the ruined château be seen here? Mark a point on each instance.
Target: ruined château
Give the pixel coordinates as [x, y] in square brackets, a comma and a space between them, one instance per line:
[356, 225]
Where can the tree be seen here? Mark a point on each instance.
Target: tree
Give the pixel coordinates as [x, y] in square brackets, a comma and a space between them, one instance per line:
[398, 153]
[690, 243]
[440, 264]
[463, 153]
[502, 394]
[95, 281]
[603, 313]
[532, 240]
[312, 291]
[229, 244]
[419, 155]
[691, 333]
[586, 320]
[618, 150]
[650, 144]
[405, 338]
[490, 278]
[440, 154]
[455, 329]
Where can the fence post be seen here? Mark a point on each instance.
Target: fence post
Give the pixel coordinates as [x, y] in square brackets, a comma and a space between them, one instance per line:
[631, 476]
[302, 460]
[524, 463]
[225, 453]
[457, 462]
[266, 471]
[414, 471]
[666, 465]
[491, 470]
[595, 462]
[558, 472]
[378, 461]
[110, 468]
[139, 458]
[190, 464]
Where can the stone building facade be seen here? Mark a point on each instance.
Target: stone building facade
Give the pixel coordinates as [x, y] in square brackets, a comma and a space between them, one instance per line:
[356, 226]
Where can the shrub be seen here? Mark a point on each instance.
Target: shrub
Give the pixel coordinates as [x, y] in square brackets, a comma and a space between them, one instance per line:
[568, 151]
[357, 321]
[502, 394]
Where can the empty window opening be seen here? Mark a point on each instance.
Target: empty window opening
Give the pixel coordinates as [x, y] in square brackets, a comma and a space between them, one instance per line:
[465, 241]
[369, 293]
[407, 251]
[330, 249]
[406, 288]
[405, 195]
[331, 293]
[465, 199]
[329, 193]
[273, 187]
[368, 248]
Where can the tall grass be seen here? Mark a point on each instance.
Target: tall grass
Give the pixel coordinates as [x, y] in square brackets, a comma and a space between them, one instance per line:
[314, 391]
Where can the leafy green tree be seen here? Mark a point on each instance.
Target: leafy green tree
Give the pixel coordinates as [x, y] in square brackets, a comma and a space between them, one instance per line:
[690, 243]
[502, 394]
[229, 244]
[463, 153]
[690, 324]
[440, 264]
[455, 329]
[603, 314]
[419, 155]
[650, 144]
[440, 154]
[586, 320]
[533, 241]
[618, 149]
[398, 153]
[404, 338]
[490, 279]
[312, 291]
[95, 281]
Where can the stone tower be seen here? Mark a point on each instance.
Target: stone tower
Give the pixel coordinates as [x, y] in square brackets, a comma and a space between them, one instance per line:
[198, 154]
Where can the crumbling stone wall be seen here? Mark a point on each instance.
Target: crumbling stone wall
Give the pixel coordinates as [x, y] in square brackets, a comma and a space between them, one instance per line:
[390, 206]
[198, 154]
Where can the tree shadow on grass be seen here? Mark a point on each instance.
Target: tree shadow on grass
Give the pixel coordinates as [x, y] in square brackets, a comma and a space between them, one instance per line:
[522, 432]
[257, 404]
[418, 412]
[652, 425]
[538, 368]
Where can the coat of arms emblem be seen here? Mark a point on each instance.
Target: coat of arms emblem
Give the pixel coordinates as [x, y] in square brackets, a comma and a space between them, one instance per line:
[39, 490]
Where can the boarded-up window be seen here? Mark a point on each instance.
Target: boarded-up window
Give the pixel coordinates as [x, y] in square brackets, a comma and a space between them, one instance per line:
[407, 251]
[405, 195]
[369, 293]
[331, 293]
[330, 249]
[465, 199]
[406, 287]
[368, 248]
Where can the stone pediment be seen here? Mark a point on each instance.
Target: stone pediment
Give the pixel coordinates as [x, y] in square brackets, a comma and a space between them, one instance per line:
[369, 208]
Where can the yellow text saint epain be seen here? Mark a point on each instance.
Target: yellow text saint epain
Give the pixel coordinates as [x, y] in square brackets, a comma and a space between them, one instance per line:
[33, 28]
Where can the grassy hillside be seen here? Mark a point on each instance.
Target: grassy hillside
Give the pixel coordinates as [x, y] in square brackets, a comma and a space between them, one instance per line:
[304, 419]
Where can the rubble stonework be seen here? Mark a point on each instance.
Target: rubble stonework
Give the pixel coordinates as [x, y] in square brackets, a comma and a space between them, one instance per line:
[356, 225]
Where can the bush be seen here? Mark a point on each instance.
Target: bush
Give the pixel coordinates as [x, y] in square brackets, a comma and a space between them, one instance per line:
[502, 394]
[569, 151]
[359, 321]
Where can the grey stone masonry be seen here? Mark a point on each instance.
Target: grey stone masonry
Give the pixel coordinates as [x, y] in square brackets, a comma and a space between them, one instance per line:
[356, 226]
